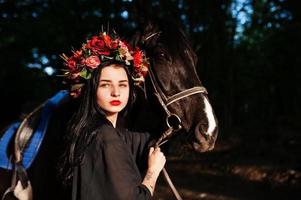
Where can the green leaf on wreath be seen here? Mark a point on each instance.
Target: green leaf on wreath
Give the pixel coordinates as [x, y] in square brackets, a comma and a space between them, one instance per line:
[85, 74]
[118, 58]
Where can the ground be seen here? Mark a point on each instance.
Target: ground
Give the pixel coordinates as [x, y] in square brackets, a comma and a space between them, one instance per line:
[244, 165]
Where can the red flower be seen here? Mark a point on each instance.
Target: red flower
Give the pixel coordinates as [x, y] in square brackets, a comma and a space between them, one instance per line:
[107, 40]
[137, 58]
[78, 54]
[96, 42]
[105, 52]
[98, 46]
[71, 63]
[82, 62]
[92, 62]
[114, 44]
[128, 45]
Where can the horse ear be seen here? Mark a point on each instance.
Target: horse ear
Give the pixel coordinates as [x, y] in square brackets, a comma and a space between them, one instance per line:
[146, 34]
[189, 51]
[144, 27]
[191, 56]
[149, 26]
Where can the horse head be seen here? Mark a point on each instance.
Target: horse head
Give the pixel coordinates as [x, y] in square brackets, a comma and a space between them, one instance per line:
[173, 72]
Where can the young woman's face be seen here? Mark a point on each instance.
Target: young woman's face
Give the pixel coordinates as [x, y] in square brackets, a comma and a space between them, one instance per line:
[113, 89]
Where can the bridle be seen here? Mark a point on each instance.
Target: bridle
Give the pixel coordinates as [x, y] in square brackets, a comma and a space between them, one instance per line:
[165, 101]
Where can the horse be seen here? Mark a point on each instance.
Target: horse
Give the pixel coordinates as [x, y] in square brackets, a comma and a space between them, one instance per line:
[172, 90]
[174, 80]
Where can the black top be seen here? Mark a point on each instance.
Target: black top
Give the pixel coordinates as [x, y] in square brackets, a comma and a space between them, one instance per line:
[113, 166]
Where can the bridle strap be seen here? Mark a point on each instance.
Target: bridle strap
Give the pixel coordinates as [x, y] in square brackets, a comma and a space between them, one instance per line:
[159, 94]
[185, 93]
[23, 136]
[166, 101]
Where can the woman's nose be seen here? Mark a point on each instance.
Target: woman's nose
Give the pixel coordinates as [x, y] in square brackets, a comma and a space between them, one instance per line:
[115, 91]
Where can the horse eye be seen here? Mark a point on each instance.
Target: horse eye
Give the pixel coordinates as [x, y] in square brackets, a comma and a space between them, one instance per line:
[165, 57]
[162, 55]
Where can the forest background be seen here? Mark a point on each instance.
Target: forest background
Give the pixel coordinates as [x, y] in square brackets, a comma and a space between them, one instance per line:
[248, 60]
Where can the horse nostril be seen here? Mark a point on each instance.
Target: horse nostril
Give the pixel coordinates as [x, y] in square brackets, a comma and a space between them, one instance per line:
[202, 140]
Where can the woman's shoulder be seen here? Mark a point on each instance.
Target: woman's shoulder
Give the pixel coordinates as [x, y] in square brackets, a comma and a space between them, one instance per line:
[136, 135]
[105, 133]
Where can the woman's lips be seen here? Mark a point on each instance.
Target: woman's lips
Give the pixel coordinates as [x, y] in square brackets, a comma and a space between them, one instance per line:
[115, 102]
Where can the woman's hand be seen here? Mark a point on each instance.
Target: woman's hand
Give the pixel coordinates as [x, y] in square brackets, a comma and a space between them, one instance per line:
[156, 160]
[21, 193]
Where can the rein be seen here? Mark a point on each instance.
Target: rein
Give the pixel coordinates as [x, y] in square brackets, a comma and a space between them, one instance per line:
[165, 102]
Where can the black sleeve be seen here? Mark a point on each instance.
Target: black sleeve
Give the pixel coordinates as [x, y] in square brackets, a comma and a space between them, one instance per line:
[119, 169]
[139, 144]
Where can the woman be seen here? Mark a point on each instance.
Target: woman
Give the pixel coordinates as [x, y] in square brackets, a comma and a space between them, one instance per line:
[105, 161]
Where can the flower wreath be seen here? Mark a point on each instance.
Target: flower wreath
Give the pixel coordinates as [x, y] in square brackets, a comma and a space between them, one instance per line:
[102, 49]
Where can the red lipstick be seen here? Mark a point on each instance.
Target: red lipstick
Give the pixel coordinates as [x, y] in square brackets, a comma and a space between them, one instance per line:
[115, 102]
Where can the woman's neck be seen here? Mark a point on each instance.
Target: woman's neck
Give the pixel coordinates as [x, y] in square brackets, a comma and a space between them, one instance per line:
[112, 118]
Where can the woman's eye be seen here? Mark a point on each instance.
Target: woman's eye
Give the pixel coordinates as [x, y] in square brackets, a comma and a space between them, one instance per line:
[104, 85]
[123, 85]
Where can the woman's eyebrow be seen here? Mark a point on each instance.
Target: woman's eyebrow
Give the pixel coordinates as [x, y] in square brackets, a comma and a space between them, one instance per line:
[104, 80]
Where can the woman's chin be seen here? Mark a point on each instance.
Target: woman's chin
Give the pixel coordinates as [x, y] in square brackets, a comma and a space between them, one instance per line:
[114, 109]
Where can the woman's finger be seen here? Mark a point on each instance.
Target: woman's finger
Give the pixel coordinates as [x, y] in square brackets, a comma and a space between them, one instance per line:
[18, 188]
[151, 150]
[157, 149]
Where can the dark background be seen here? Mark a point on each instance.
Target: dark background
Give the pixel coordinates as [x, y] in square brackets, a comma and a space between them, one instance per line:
[249, 60]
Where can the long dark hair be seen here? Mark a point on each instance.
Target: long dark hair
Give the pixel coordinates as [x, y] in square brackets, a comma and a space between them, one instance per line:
[89, 116]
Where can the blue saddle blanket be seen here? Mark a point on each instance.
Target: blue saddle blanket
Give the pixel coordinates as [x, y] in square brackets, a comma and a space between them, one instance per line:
[33, 146]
